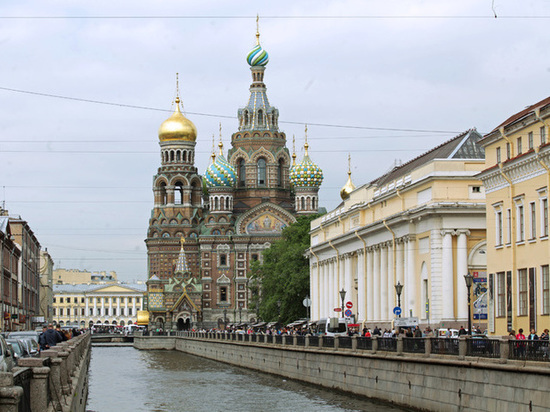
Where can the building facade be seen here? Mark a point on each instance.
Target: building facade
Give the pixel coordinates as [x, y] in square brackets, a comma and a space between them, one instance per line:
[74, 276]
[516, 180]
[204, 231]
[421, 225]
[10, 273]
[83, 305]
[46, 288]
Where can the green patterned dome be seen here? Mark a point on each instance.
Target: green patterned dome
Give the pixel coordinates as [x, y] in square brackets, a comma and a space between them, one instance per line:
[220, 173]
[306, 174]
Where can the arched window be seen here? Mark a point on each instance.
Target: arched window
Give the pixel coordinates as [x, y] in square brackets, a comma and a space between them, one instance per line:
[246, 118]
[261, 172]
[242, 172]
[178, 194]
[227, 203]
[280, 173]
[171, 155]
[178, 155]
[303, 204]
[163, 193]
[260, 118]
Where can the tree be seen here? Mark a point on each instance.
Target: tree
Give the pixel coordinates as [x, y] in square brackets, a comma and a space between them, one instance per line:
[281, 282]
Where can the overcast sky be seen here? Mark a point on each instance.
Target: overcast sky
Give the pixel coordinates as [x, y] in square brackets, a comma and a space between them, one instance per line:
[382, 80]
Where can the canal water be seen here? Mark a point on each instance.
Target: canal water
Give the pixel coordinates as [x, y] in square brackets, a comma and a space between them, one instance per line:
[126, 379]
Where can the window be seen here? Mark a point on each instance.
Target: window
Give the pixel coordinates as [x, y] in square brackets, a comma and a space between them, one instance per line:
[81, 300]
[522, 280]
[82, 312]
[60, 311]
[55, 311]
[545, 290]
[519, 146]
[508, 151]
[223, 259]
[91, 311]
[242, 172]
[509, 225]
[542, 135]
[533, 220]
[60, 300]
[544, 217]
[501, 295]
[130, 311]
[520, 224]
[498, 155]
[261, 172]
[499, 228]
[54, 299]
[280, 173]
[223, 294]
[137, 300]
[530, 140]
[254, 257]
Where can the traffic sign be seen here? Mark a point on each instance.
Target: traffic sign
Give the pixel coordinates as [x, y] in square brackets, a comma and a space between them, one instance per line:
[307, 302]
[347, 313]
[337, 309]
[349, 305]
[397, 311]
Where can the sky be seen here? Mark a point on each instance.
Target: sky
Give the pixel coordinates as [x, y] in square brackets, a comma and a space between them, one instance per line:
[84, 88]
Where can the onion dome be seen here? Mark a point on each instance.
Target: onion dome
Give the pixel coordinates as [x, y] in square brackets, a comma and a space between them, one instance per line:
[177, 127]
[307, 173]
[349, 186]
[220, 173]
[257, 56]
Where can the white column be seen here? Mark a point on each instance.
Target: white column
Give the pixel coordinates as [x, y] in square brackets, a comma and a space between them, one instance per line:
[334, 290]
[361, 287]
[400, 264]
[328, 286]
[86, 309]
[125, 305]
[314, 289]
[376, 283]
[410, 284]
[110, 306]
[461, 270]
[370, 286]
[134, 313]
[391, 283]
[102, 306]
[118, 306]
[348, 284]
[447, 274]
[383, 282]
[95, 306]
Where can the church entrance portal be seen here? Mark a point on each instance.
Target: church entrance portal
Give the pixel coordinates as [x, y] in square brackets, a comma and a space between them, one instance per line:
[184, 324]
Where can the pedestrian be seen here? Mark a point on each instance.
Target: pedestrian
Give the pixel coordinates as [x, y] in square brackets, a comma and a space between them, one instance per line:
[520, 345]
[462, 331]
[51, 337]
[42, 338]
[60, 333]
[544, 337]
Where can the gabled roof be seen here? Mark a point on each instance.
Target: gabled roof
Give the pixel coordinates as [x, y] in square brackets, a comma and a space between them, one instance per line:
[519, 115]
[464, 146]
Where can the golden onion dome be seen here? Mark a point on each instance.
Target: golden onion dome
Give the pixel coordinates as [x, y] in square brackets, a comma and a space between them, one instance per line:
[177, 127]
[348, 188]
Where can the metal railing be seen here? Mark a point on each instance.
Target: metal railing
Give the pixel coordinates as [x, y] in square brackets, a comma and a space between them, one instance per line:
[481, 347]
[22, 378]
[414, 345]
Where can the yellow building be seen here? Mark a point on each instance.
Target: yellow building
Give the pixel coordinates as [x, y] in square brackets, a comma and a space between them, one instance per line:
[75, 276]
[516, 179]
[82, 305]
[422, 224]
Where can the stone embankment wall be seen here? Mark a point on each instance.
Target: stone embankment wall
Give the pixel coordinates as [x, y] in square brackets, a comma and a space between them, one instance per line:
[414, 381]
[56, 381]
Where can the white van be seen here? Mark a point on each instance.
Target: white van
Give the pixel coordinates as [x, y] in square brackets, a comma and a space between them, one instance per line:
[131, 329]
[332, 327]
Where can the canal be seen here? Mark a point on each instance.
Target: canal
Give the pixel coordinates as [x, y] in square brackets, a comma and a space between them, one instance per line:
[126, 379]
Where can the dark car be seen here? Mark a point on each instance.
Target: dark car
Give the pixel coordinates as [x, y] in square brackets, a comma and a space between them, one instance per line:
[19, 349]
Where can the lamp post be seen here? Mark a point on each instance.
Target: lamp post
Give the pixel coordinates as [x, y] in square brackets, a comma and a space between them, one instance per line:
[225, 319]
[343, 297]
[469, 279]
[398, 290]
[240, 315]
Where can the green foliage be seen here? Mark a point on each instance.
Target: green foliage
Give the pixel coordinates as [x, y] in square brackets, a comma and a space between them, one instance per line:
[280, 284]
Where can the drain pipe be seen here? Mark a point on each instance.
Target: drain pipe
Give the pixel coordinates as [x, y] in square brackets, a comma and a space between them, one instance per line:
[501, 130]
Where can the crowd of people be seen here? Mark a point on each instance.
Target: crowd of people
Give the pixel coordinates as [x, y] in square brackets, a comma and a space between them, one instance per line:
[51, 336]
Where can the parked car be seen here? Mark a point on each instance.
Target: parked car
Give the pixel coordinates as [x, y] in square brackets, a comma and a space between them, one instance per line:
[19, 349]
[31, 345]
[6, 358]
[24, 334]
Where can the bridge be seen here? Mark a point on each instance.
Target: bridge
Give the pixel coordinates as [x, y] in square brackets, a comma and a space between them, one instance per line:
[112, 339]
[56, 381]
[419, 373]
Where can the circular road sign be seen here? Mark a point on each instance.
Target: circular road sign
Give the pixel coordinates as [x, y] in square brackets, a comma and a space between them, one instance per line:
[307, 302]
[347, 313]
[397, 311]
[349, 305]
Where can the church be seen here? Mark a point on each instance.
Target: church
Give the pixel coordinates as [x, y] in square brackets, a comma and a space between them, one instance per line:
[206, 230]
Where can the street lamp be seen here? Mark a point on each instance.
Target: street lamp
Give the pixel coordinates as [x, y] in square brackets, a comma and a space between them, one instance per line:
[469, 279]
[398, 290]
[240, 315]
[342, 296]
[225, 319]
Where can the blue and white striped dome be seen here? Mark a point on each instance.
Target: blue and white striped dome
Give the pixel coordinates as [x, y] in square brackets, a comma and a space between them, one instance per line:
[306, 174]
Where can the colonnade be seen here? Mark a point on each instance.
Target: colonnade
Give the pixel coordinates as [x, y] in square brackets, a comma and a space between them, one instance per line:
[369, 275]
[107, 302]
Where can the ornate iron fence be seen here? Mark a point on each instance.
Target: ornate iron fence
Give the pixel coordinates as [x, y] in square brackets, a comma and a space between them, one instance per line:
[414, 345]
[445, 346]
